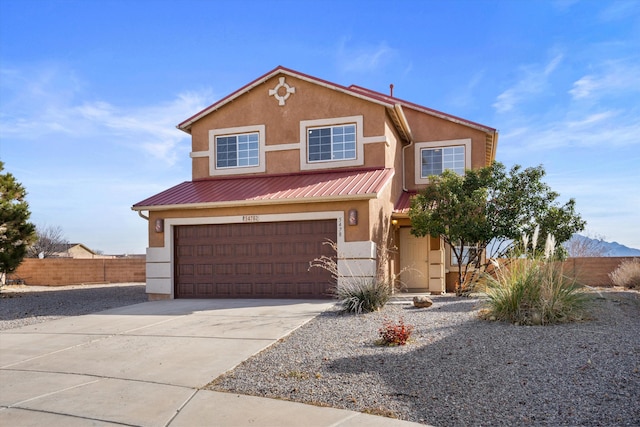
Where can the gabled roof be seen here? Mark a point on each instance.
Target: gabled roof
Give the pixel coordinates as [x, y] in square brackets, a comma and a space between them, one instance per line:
[359, 92]
[264, 189]
[393, 100]
[67, 246]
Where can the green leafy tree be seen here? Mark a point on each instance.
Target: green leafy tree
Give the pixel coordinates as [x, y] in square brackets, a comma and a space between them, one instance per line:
[16, 233]
[489, 207]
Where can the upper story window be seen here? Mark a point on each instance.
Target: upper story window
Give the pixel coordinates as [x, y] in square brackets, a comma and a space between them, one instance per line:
[436, 160]
[233, 151]
[237, 150]
[332, 143]
[434, 157]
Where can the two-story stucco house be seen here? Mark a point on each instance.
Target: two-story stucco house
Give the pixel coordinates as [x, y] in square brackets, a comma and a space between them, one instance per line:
[290, 161]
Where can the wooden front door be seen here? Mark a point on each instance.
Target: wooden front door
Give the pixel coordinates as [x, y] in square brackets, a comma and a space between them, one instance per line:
[414, 261]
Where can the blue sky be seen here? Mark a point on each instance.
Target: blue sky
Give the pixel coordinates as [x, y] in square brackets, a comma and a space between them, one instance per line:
[91, 91]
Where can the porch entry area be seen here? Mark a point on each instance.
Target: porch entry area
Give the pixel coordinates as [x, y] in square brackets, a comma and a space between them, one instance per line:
[423, 259]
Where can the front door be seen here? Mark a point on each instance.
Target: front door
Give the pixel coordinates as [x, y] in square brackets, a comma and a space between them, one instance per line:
[414, 261]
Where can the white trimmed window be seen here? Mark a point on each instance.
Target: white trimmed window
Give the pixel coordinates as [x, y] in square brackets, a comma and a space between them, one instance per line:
[331, 143]
[237, 150]
[433, 158]
[334, 143]
[468, 253]
[437, 160]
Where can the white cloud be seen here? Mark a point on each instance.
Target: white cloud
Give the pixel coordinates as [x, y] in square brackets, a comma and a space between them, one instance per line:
[612, 78]
[51, 105]
[619, 10]
[364, 59]
[582, 88]
[534, 81]
[463, 95]
[614, 128]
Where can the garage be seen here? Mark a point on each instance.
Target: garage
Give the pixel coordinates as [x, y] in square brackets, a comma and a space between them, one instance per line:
[252, 260]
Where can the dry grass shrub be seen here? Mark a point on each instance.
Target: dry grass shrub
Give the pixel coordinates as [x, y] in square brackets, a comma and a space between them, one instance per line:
[533, 290]
[627, 275]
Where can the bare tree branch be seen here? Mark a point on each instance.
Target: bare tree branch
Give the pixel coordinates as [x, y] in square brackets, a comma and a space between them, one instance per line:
[586, 246]
[50, 241]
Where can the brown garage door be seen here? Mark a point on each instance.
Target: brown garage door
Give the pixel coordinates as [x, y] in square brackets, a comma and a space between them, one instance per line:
[252, 260]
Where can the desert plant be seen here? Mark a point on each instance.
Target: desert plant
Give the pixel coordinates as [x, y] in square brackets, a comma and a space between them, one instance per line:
[362, 295]
[532, 289]
[355, 292]
[627, 274]
[394, 333]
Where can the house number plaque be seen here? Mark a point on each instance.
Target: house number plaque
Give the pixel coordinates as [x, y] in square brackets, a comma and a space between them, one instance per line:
[250, 218]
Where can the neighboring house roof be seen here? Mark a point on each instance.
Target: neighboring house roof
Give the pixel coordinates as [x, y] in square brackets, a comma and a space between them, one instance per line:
[353, 90]
[68, 246]
[263, 189]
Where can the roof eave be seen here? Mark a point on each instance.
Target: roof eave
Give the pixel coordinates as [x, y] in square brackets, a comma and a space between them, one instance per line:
[241, 203]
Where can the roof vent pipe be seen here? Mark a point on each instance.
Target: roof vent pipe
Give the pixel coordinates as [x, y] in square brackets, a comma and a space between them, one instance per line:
[391, 90]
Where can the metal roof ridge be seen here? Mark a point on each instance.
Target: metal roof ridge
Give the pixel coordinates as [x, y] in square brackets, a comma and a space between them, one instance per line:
[387, 98]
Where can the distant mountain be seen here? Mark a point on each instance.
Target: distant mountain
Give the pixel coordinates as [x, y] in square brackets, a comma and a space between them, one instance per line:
[607, 248]
[616, 249]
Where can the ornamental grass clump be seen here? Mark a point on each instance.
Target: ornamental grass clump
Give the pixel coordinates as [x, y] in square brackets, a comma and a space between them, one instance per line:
[532, 289]
[355, 292]
[627, 274]
[362, 295]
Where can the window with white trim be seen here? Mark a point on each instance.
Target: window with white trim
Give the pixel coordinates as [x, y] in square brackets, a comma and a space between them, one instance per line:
[240, 150]
[331, 143]
[436, 160]
[469, 253]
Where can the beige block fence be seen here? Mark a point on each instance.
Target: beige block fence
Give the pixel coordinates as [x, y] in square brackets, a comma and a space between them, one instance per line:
[69, 271]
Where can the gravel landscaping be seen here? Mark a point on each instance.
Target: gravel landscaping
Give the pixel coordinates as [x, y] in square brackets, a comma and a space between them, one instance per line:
[459, 370]
[26, 305]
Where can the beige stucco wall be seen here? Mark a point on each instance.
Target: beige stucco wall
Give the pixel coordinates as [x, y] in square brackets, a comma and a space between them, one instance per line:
[361, 232]
[427, 128]
[282, 123]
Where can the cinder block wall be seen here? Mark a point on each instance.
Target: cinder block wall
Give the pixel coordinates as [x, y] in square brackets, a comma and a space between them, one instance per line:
[593, 271]
[587, 271]
[68, 271]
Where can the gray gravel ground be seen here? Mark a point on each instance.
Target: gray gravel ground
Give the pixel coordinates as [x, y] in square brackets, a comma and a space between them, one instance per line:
[457, 371]
[460, 370]
[26, 305]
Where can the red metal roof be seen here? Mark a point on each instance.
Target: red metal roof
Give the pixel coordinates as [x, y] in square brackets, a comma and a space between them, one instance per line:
[404, 203]
[317, 186]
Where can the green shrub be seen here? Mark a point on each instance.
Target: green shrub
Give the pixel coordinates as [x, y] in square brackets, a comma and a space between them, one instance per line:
[533, 290]
[392, 334]
[627, 274]
[362, 295]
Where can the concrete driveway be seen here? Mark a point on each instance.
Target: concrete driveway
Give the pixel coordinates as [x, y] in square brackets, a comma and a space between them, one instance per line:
[145, 365]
